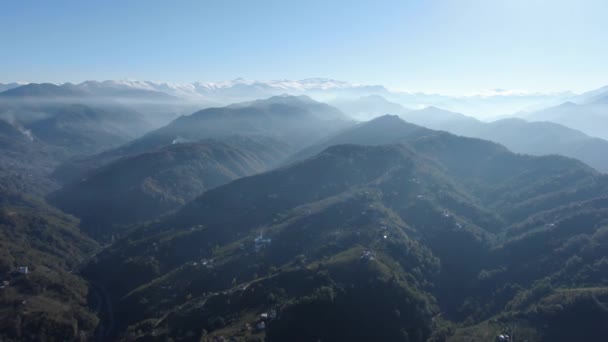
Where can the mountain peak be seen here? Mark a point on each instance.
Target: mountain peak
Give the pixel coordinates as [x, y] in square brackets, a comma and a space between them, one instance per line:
[283, 99]
[42, 90]
[567, 104]
[288, 97]
[431, 113]
[436, 109]
[387, 118]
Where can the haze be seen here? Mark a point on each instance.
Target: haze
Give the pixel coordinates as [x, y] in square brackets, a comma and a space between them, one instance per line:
[269, 171]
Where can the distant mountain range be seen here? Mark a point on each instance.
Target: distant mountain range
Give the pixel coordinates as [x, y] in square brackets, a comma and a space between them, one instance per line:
[85, 89]
[536, 138]
[168, 100]
[7, 86]
[590, 117]
[368, 107]
[483, 104]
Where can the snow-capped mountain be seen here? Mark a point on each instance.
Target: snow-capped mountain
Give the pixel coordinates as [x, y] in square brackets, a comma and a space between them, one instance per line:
[483, 104]
[235, 88]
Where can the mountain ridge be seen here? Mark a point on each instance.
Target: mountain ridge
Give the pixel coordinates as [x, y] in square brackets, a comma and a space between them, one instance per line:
[519, 135]
[162, 180]
[430, 193]
[293, 121]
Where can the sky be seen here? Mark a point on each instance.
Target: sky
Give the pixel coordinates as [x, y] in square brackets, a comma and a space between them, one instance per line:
[441, 46]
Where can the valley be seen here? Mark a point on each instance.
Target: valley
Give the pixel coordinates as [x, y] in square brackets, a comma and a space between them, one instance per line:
[304, 171]
[285, 218]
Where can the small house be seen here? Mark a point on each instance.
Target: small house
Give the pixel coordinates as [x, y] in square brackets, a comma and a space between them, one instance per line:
[260, 242]
[503, 338]
[23, 269]
[368, 255]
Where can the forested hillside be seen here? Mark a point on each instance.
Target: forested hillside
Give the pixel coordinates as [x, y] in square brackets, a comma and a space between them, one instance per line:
[400, 239]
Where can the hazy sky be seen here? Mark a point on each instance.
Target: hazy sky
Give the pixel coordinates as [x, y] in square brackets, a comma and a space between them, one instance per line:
[457, 46]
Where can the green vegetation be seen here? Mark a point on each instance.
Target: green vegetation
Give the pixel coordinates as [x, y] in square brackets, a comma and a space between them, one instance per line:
[162, 180]
[410, 235]
[439, 238]
[48, 300]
